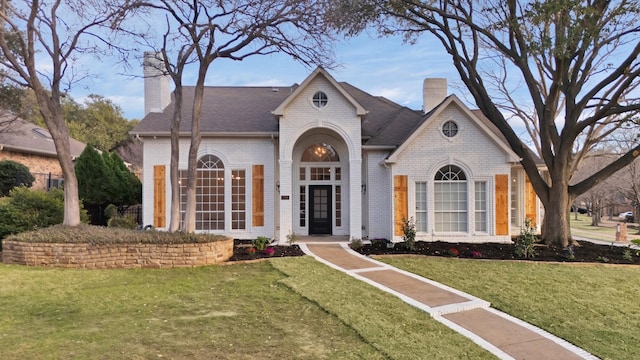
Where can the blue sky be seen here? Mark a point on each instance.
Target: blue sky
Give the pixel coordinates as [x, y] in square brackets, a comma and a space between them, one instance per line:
[381, 66]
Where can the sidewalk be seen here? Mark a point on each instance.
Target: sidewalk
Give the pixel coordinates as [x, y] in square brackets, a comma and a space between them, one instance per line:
[501, 334]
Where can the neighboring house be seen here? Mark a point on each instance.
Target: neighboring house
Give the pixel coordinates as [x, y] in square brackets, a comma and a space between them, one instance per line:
[326, 158]
[32, 146]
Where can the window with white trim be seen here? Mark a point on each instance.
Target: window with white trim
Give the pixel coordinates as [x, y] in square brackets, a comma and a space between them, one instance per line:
[238, 200]
[421, 206]
[209, 194]
[320, 99]
[450, 200]
[481, 213]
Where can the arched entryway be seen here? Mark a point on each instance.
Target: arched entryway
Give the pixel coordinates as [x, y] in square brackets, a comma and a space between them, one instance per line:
[320, 171]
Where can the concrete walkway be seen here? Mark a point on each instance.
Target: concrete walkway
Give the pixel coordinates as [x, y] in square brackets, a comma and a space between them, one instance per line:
[499, 333]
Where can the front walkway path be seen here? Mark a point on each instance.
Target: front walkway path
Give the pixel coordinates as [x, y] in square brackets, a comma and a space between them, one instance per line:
[501, 334]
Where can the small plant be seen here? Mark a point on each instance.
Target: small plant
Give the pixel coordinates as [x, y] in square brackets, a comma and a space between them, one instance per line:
[626, 255]
[291, 238]
[453, 252]
[409, 231]
[251, 251]
[355, 243]
[476, 254]
[110, 211]
[525, 242]
[260, 243]
[602, 259]
[269, 251]
[569, 253]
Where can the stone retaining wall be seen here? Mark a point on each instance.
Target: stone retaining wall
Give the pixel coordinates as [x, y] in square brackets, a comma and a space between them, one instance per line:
[109, 256]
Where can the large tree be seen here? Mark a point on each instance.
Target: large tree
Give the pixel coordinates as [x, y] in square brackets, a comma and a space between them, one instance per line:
[200, 32]
[40, 43]
[570, 67]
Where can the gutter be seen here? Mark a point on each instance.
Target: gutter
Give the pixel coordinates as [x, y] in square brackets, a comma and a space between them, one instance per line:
[141, 134]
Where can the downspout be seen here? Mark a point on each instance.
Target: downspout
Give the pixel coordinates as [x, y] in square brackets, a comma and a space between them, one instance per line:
[275, 188]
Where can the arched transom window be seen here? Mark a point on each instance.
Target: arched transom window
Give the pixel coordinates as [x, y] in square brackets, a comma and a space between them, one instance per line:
[320, 152]
[451, 200]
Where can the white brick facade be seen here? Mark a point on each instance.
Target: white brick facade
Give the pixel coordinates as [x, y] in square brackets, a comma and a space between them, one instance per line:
[236, 154]
[471, 150]
[362, 180]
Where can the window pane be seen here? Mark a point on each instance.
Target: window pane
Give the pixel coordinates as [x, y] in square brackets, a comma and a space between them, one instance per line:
[450, 200]
[421, 206]
[238, 200]
[481, 206]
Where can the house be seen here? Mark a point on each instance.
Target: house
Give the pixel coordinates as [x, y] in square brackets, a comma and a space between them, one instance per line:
[32, 146]
[326, 158]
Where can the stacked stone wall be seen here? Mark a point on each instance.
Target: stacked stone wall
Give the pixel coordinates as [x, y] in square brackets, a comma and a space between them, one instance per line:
[110, 256]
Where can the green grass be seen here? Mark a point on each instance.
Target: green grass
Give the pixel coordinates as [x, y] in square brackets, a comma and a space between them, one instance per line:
[606, 232]
[215, 312]
[241, 311]
[395, 328]
[595, 307]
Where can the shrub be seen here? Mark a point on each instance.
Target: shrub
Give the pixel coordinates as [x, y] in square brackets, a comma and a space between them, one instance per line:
[110, 211]
[13, 174]
[25, 209]
[409, 231]
[355, 243]
[525, 242]
[123, 221]
[96, 235]
[261, 242]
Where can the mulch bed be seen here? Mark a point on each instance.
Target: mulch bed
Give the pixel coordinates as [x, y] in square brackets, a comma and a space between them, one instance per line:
[241, 251]
[584, 252]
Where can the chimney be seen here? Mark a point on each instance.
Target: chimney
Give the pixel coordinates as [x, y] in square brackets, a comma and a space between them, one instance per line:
[157, 94]
[434, 90]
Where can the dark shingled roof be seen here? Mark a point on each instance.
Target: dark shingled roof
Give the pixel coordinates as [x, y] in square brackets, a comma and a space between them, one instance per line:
[237, 110]
[224, 110]
[248, 110]
[22, 136]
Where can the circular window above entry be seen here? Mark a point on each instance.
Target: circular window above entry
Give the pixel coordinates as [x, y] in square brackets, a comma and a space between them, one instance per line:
[450, 129]
[320, 99]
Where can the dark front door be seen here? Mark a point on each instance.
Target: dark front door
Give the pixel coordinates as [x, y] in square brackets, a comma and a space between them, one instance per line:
[320, 209]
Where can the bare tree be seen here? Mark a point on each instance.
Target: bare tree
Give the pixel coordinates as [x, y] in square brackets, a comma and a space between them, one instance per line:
[40, 43]
[601, 196]
[202, 31]
[574, 63]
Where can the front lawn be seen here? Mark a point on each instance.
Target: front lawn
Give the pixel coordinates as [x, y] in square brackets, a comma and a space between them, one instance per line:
[240, 311]
[596, 307]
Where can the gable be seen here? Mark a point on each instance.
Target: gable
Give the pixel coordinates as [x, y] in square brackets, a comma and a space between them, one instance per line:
[319, 80]
[472, 135]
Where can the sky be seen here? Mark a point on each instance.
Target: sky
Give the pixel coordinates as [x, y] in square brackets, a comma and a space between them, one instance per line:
[380, 66]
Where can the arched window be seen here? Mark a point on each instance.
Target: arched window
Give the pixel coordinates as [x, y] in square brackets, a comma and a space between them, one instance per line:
[320, 152]
[451, 200]
[209, 193]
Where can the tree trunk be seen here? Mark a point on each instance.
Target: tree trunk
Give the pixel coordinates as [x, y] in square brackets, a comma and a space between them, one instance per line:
[190, 211]
[174, 223]
[556, 228]
[54, 119]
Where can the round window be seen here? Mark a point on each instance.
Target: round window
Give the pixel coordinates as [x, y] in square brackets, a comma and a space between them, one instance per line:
[320, 99]
[450, 128]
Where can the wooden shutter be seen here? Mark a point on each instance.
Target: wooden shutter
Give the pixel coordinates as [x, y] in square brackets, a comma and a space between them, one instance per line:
[530, 202]
[159, 196]
[502, 204]
[400, 202]
[258, 195]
